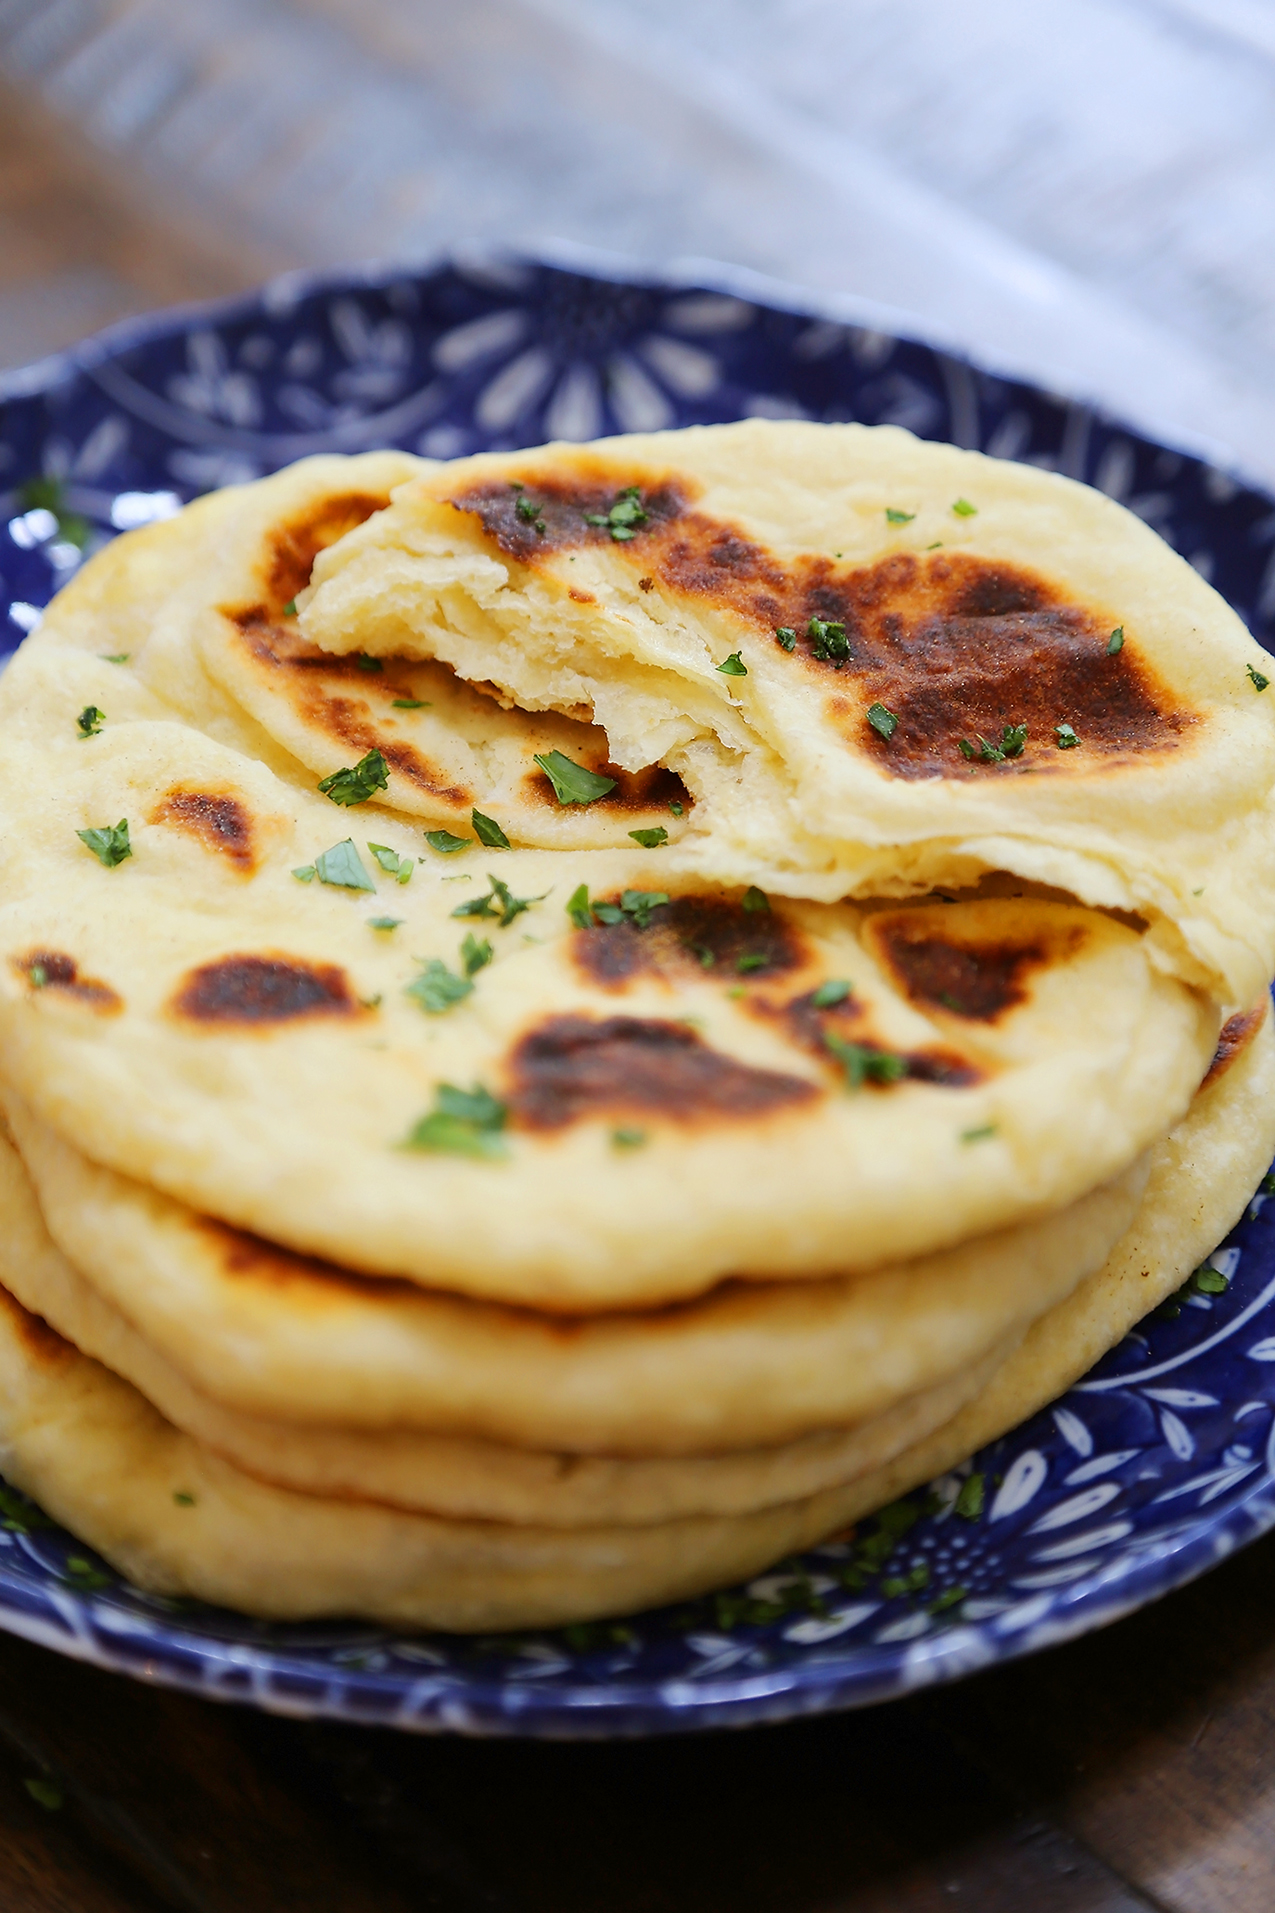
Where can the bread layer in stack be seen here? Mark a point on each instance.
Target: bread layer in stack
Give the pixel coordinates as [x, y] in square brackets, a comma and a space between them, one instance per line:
[791, 1080]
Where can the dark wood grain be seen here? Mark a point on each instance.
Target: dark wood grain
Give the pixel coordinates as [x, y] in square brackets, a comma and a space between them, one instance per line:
[1128, 1772]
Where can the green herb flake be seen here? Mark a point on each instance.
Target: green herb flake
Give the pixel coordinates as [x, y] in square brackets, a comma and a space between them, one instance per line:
[786, 638]
[357, 782]
[964, 746]
[445, 843]
[342, 867]
[980, 1134]
[1065, 737]
[475, 956]
[828, 642]
[650, 839]
[463, 1122]
[82, 1574]
[530, 514]
[733, 666]
[499, 902]
[863, 1064]
[950, 1597]
[290, 609]
[366, 663]
[395, 866]
[110, 844]
[627, 1138]
[969, 1503]
[754, 900]
[305, 873]
[1210, 1281]
[1116, 641]
[1013, 738]
[183, 1498]
[90, 721]
[411, 704]
[488, 831]
[753, 960]
[437, 988]
[829, 994]
[895, 517]
[45, 1793]
[637, 905]
[115, 657]
[883, 722]
[964, 509]
[572, 783]
[20, 1515]
[1260, 683]
[675, 808]
[625, 515]
[385, 923]
[578, 908]
[37, 976]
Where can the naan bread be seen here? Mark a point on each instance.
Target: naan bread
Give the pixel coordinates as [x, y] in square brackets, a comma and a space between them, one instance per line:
[274, 1336]
[180, 1521]
[966, 596]
[198, 1018]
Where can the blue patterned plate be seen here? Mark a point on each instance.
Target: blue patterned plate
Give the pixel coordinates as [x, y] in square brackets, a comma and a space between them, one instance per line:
[1158, 1464]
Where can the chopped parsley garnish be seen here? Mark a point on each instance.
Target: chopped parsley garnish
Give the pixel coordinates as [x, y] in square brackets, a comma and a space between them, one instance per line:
[950, 1597]
[463, 1122]
[755, 899]
[883, 722]
[1066, 737]
[1116, 641]
[1206, 1280]
[531, 514]
[37, 976]
[572, 783]
[786, 638]
[677, 809]
[828, 642]
[650, 839]
[115, 657]
[183, 1498]
[499, 902]
[895, 517]
[980, 1134]
[290, 609]
[305, 873]
[45, 1793]
[20, 1515]
[754, 960]
[636, 905]
[578, 908]
[110, 844]
[863, 1065]
[445, 843]
[91, 720]
[624, 516]
[1013, 738]
[1259, 682]
[627, 1138]
[411, 704]
[82, 1574]
[829, 994]
[488, 831]
[366, 663]
[400, 868]
[733, 666]
[964, 509]
[357, 782]
[969, 1503]
[342, 867]
[385, 923]
[437, 988]
[475, 956]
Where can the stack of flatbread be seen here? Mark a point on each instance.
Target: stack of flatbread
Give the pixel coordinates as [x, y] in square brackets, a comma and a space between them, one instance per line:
[571, 1023]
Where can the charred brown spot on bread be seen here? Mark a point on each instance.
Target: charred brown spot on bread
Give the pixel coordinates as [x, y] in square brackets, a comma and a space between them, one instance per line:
[709, 935]
[581, 597]
[55, 970]
[248, 1257]
[636, 792]
[809, 1025]
[256, 990]
[42, 1342]
[321, 690]
[573, 1068]
[293, 547]
[980, 980]
[1237, 1033]
[217, 819]
[558, 501]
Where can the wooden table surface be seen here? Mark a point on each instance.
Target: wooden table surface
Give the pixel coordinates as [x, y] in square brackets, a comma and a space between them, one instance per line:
[1131, 1770]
